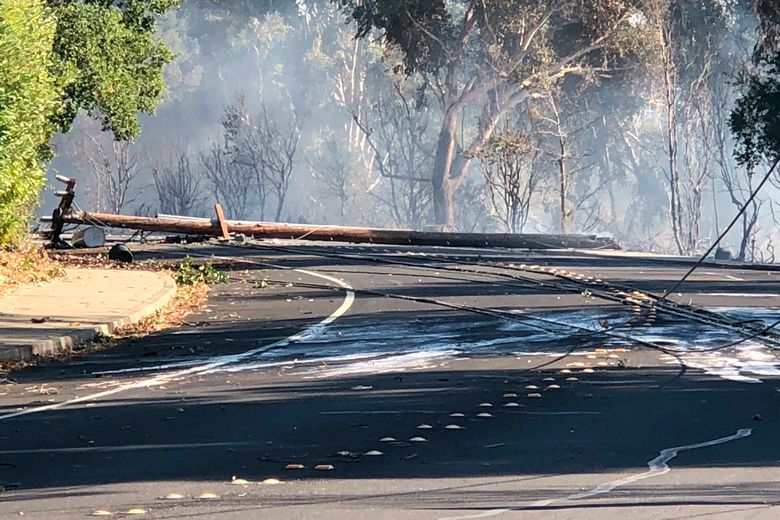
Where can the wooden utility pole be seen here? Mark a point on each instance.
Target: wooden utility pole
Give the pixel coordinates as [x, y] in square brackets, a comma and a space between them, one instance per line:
[190, 226]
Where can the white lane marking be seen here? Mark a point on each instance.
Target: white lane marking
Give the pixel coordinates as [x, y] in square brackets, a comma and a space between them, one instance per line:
[657, 466]
[742, 295]
[151, 368]
[560, 413]
[215, 362]
[384, 365]
[130, 447]
[379, 412]
[734, 278]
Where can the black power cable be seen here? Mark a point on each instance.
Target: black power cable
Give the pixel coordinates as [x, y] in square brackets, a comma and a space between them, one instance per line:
[723, 234]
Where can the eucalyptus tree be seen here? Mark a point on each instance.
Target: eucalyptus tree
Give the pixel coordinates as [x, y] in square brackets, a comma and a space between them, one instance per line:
[110, 61]
[481, 59]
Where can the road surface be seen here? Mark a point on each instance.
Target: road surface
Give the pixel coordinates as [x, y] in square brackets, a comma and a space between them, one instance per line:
[343, 382]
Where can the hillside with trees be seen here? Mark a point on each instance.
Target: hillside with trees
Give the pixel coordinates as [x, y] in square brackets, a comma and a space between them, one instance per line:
[648, 120]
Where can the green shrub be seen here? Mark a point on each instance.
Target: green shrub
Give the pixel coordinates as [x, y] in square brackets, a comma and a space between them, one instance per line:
[190, 274]
[28, 102]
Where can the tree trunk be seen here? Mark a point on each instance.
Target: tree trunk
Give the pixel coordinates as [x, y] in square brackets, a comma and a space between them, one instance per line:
[567, 215]
[670, 102]
[443, 166]
[279, 208]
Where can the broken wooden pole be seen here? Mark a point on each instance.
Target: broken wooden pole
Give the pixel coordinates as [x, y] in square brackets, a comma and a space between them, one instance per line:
[190, 226]
[62, 209]
[224, 232]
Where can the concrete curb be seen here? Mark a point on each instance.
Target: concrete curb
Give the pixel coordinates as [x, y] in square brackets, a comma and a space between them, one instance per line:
[51, 346]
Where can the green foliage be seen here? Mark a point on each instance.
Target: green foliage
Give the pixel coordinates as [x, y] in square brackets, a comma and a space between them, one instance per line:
[768, 12]
[28, 101]
[505, 147]
[112, 60]
[190, 274]
[419, 28]
[58, 58]
[756, 119]
[432, 34]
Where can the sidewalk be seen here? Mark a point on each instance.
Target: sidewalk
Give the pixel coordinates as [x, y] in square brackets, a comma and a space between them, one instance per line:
[76, 308]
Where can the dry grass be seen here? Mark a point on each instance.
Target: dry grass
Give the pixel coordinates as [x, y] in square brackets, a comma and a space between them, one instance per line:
[187, 299]
[99, 260]
[32, 265]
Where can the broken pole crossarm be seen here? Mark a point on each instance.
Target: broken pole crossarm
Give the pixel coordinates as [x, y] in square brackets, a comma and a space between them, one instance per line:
[224, 232]
[63, 209]
[342, 233]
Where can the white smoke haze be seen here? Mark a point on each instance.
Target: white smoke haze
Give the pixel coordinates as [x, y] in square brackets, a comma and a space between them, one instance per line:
[275, 110]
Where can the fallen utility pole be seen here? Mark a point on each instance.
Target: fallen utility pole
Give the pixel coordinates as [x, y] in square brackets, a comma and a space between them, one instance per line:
[190, 226]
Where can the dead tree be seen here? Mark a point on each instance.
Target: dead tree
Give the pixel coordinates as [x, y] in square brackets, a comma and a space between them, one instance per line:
[230, 181]
[332, 166]
[738, 183]
[562, 124]
[688, 73]
[274, 143]
[264, 147]
[237, 126]
[178, 186]
[114, 166]
[400, 146]
[739, 190]
[508, 168]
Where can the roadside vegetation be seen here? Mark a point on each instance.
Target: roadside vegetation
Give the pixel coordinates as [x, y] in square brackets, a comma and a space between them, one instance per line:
[189, 273]
[192, 288]
[29, 265]
[644, 119]
[59, 59]
[28, 102]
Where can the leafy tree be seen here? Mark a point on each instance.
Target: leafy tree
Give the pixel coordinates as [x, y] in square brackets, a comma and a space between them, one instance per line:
[482, 59]
[61, 57]
[28, 101]
[112, 61]
[756, 118]
[511, 179]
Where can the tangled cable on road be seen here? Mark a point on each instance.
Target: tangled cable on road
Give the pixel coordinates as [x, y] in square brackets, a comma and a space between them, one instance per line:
[607, 291]
[586, 332]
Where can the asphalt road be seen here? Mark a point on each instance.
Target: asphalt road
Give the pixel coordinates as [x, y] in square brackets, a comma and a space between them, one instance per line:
[414, 383]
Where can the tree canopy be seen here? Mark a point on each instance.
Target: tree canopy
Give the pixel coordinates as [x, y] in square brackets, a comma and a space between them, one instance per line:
[112, 61]
[756, 117]
[401, 114]
[493, 56]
